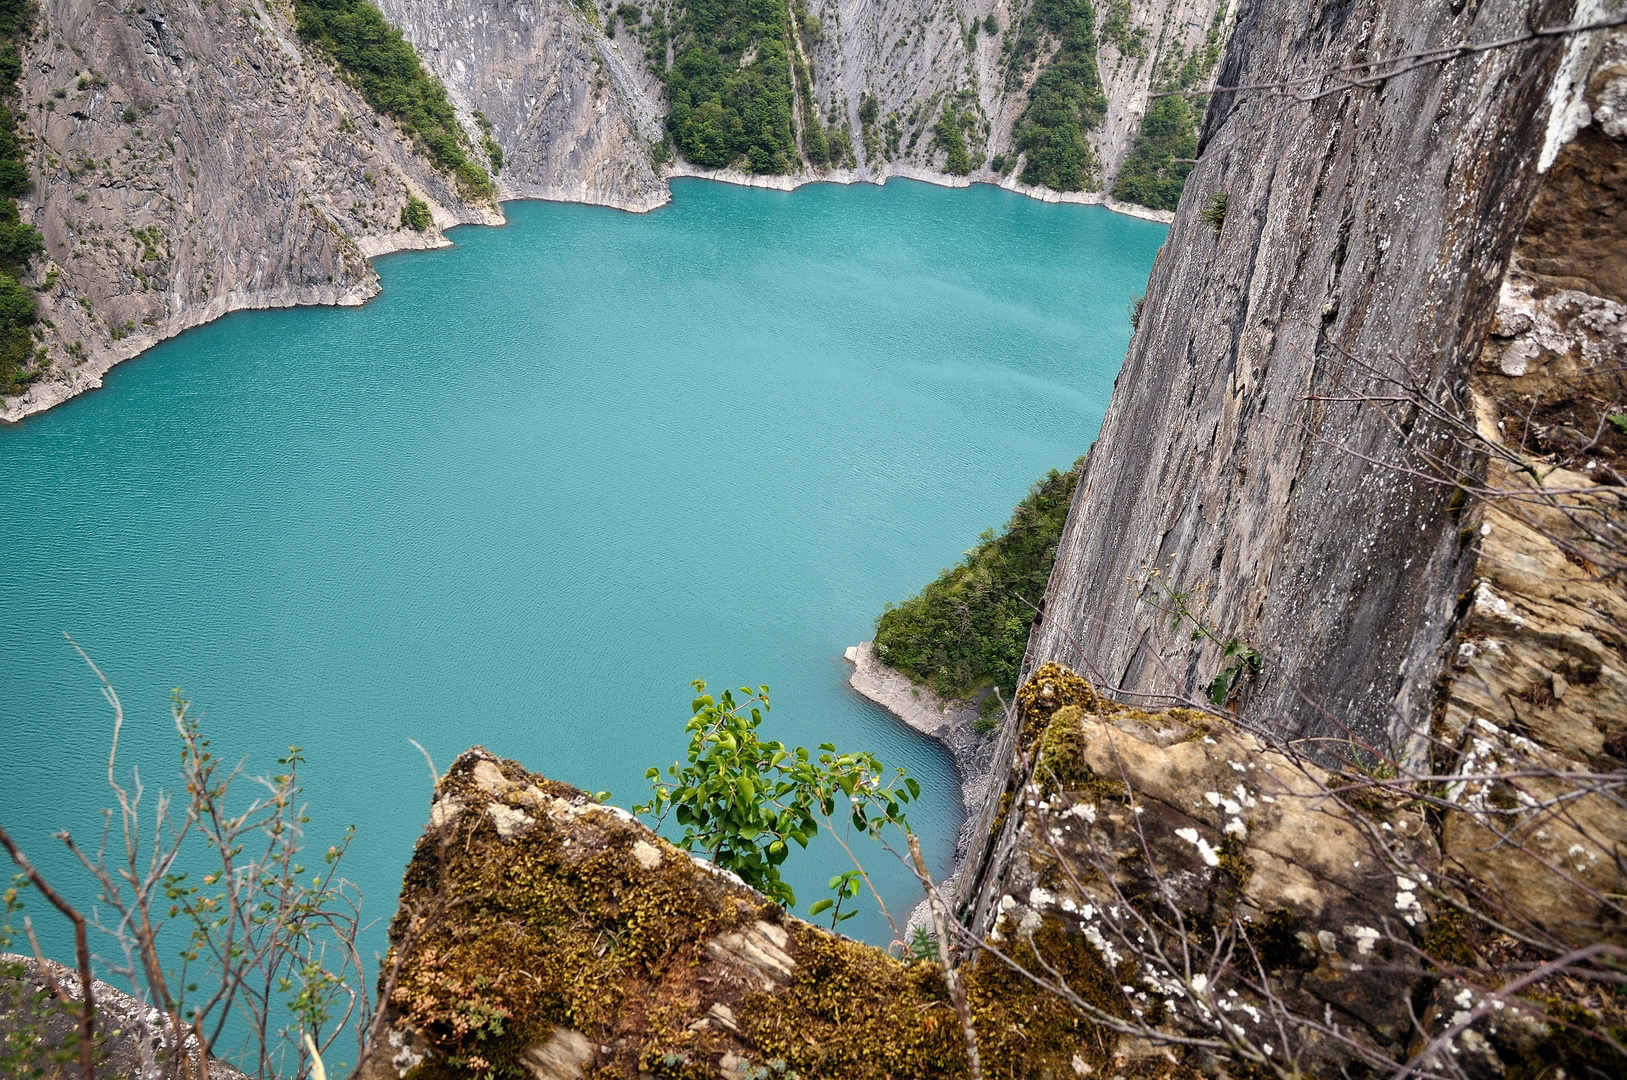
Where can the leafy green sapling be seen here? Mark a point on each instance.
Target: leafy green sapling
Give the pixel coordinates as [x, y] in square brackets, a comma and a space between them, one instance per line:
[743, 800]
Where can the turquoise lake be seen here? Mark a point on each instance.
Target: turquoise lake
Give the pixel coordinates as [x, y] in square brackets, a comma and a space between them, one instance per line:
[552, 474]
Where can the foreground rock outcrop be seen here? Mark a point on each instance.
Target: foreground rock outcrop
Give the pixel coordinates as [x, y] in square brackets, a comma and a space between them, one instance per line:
[1137, 856]
[542, 933]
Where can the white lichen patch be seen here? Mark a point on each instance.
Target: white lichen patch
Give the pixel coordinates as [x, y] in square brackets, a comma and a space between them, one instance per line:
[511, 823]
[647, 854]
[1366, 937]
[1205, 852]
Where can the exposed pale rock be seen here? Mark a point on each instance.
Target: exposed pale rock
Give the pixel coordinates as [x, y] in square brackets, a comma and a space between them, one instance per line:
[758, 948]
[647, 854]
[133, 1037]
[510, 822]
[563, 1057]
[1236, 452]
[254, 174]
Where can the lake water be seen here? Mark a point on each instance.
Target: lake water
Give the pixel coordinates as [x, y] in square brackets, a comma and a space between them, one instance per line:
[551, 475]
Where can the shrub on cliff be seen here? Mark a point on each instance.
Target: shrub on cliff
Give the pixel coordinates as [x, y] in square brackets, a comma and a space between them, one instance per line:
[383, 66]
[730, 86]
[969, 628]
[1155, 172]
[19, 241]
[1066, 102]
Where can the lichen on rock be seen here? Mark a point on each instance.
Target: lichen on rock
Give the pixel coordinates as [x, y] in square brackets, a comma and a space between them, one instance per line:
[581, 944]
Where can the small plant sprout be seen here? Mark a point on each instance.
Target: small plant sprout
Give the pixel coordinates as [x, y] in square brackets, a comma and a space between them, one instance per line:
[1244, 658]
[846, 886]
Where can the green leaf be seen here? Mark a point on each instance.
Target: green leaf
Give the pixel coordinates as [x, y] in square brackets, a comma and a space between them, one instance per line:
[820, 905]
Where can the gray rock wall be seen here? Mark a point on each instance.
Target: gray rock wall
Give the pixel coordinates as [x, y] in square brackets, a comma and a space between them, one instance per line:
[573, 112]
[1365, 230]
[913, 55]
[253, 175]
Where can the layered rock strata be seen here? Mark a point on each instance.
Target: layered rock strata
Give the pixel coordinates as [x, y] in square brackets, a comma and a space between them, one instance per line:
[574, 111]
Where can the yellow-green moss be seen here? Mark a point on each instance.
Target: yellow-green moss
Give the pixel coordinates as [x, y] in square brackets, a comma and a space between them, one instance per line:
[537, 934]
[1024, 1030]
[1051, 688]
[854, 1011]
[1571, 1047]
[564, 926]
[1447, 941]
[1061, 764]
[1051, 707]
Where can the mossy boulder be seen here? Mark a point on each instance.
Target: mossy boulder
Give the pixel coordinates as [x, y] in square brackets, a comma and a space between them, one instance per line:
[542, 935]
[1183, 819]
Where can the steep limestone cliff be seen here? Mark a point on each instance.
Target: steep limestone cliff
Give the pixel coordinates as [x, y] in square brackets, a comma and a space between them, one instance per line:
[1353, 238]
[574, 115]
[919, 60]
[193, 159]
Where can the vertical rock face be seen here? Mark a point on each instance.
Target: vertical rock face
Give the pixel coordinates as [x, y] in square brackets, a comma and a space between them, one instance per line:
[573, 115]
[916, 58]
[193, 160]
[1330, 240]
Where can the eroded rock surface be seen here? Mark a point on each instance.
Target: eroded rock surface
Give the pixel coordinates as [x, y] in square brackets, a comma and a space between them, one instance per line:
[202, 159]
[192, 160]
[1363, 240]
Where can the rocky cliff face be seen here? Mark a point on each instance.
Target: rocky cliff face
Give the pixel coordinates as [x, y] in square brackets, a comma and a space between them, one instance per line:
[574, 114]
[917, 59]
[193, 159]
[1327, 251]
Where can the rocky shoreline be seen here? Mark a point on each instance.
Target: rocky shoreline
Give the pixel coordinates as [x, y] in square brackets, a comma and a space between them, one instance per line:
[792, 181]
[953, 723]
[51, 392]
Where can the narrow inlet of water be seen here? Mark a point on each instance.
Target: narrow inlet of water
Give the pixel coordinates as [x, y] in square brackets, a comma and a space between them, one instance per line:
[551, 475]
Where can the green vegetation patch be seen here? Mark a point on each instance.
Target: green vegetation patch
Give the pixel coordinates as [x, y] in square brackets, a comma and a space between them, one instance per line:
[1155, 172]
[20, 364]
[1160, 159]
[1067, 101]
[730, 85]
[415, 215]
[381, 63]
[969, 628]
[950, 135]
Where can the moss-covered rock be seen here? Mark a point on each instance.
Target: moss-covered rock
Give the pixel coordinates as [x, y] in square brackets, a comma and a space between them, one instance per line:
[541, 935]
